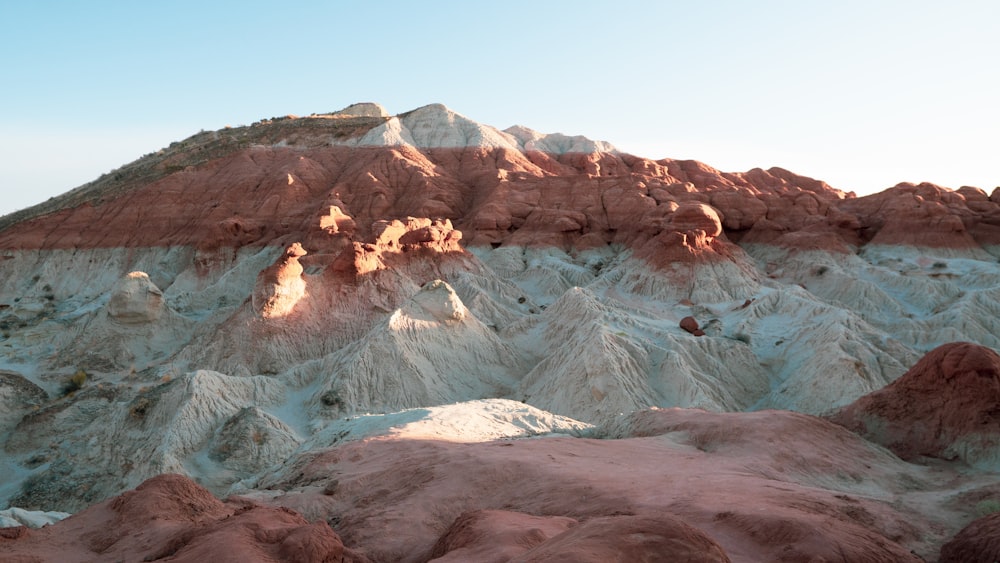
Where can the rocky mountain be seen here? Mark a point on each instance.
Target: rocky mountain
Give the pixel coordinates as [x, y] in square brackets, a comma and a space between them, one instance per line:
[349, 325]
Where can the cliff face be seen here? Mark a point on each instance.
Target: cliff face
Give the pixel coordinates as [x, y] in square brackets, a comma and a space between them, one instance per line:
[251, 296]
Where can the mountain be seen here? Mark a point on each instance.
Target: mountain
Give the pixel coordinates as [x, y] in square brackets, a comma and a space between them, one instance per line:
[443, 340]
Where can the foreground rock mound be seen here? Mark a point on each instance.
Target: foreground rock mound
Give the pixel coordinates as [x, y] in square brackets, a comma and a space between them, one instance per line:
[727, 475]
[170, 517]
[945, 406]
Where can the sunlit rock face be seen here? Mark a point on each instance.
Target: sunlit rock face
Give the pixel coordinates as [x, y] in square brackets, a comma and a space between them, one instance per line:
[136, 299]
[280, 287]
[306, 309]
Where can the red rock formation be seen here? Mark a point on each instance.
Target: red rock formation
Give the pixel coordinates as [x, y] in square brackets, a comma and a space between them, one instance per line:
[171, 517]
[691, 217]
[944, 406]
[923, 215]
[396, 241]
[979, 541]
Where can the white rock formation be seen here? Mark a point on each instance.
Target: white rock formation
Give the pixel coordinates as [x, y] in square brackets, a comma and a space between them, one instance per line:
[599, 363]
[170, 428]
[435, 126]
[392, 133]
[13, 517]
[471, 421]
[556, 143]
[363, 109]
[431, 351]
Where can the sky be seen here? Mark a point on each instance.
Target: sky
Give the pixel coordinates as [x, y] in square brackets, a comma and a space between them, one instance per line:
[860, 94]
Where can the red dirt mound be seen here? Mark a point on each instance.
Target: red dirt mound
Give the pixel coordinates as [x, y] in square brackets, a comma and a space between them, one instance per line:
[945, 406]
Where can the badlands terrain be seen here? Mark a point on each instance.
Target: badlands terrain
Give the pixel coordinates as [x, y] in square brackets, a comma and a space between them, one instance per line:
[363, 337]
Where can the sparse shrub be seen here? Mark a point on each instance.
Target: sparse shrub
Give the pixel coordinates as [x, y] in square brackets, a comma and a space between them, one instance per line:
[331, 398]
[140, 407]
[75, 382]
[822, 270]
[939, 265]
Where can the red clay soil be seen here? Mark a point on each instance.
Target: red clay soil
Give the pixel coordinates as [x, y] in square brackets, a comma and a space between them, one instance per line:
[952, 394]
[170, 518]
[977, 542]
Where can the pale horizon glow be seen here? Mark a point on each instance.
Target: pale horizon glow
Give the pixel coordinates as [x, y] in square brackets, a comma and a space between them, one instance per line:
[861, 95]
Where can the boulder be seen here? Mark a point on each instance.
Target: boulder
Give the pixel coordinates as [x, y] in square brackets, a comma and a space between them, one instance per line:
[691, 325]
[136, 300]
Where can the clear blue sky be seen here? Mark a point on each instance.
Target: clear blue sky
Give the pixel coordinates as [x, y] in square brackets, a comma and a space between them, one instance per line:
[862, 94]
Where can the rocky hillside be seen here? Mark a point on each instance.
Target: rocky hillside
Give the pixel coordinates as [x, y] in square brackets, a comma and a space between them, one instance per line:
[360, 317]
